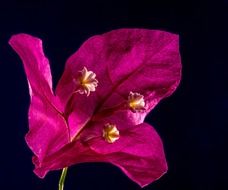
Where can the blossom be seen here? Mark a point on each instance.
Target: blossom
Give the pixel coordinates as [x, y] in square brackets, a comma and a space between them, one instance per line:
[97, 112]
[136, 101]
[111, 133]
[87, 81]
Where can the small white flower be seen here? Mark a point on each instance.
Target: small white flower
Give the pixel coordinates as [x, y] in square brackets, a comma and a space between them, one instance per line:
[136, 102]
[110, 133]
[87, 82]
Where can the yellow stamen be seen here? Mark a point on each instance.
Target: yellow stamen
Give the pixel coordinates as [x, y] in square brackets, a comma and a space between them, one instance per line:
[110, 133]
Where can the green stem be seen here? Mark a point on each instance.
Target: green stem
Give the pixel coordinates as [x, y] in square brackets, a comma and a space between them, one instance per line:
[62, 178]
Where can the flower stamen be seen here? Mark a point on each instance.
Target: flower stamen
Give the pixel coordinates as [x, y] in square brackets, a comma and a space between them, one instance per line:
[136, 102]
[110, 133]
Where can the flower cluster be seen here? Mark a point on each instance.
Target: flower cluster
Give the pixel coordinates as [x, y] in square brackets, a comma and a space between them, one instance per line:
[97, 112]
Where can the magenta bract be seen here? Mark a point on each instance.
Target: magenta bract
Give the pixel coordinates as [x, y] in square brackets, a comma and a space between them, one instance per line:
[98, 109]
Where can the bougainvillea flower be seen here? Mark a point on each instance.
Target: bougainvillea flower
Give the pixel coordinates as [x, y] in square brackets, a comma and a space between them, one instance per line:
[97, 112]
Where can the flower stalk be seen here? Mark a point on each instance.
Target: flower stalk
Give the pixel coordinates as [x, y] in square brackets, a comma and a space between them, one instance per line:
[62, 178]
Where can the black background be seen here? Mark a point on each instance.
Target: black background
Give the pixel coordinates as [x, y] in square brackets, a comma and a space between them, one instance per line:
[193, 123]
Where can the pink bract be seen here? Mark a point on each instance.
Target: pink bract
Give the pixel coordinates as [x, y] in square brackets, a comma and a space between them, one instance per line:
[66, 129]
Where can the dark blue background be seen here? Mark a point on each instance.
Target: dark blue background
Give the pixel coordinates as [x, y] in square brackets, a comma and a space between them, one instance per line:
[193, 123]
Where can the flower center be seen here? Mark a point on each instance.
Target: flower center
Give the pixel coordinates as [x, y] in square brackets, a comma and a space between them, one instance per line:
[87, 82]
[136, 102]
[110, 133]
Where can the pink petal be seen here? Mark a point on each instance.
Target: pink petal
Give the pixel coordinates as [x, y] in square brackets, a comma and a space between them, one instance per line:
[48, 131]
[142, 159]
[36, 65]
[124, 60]
[47, 128]
[138, 151]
